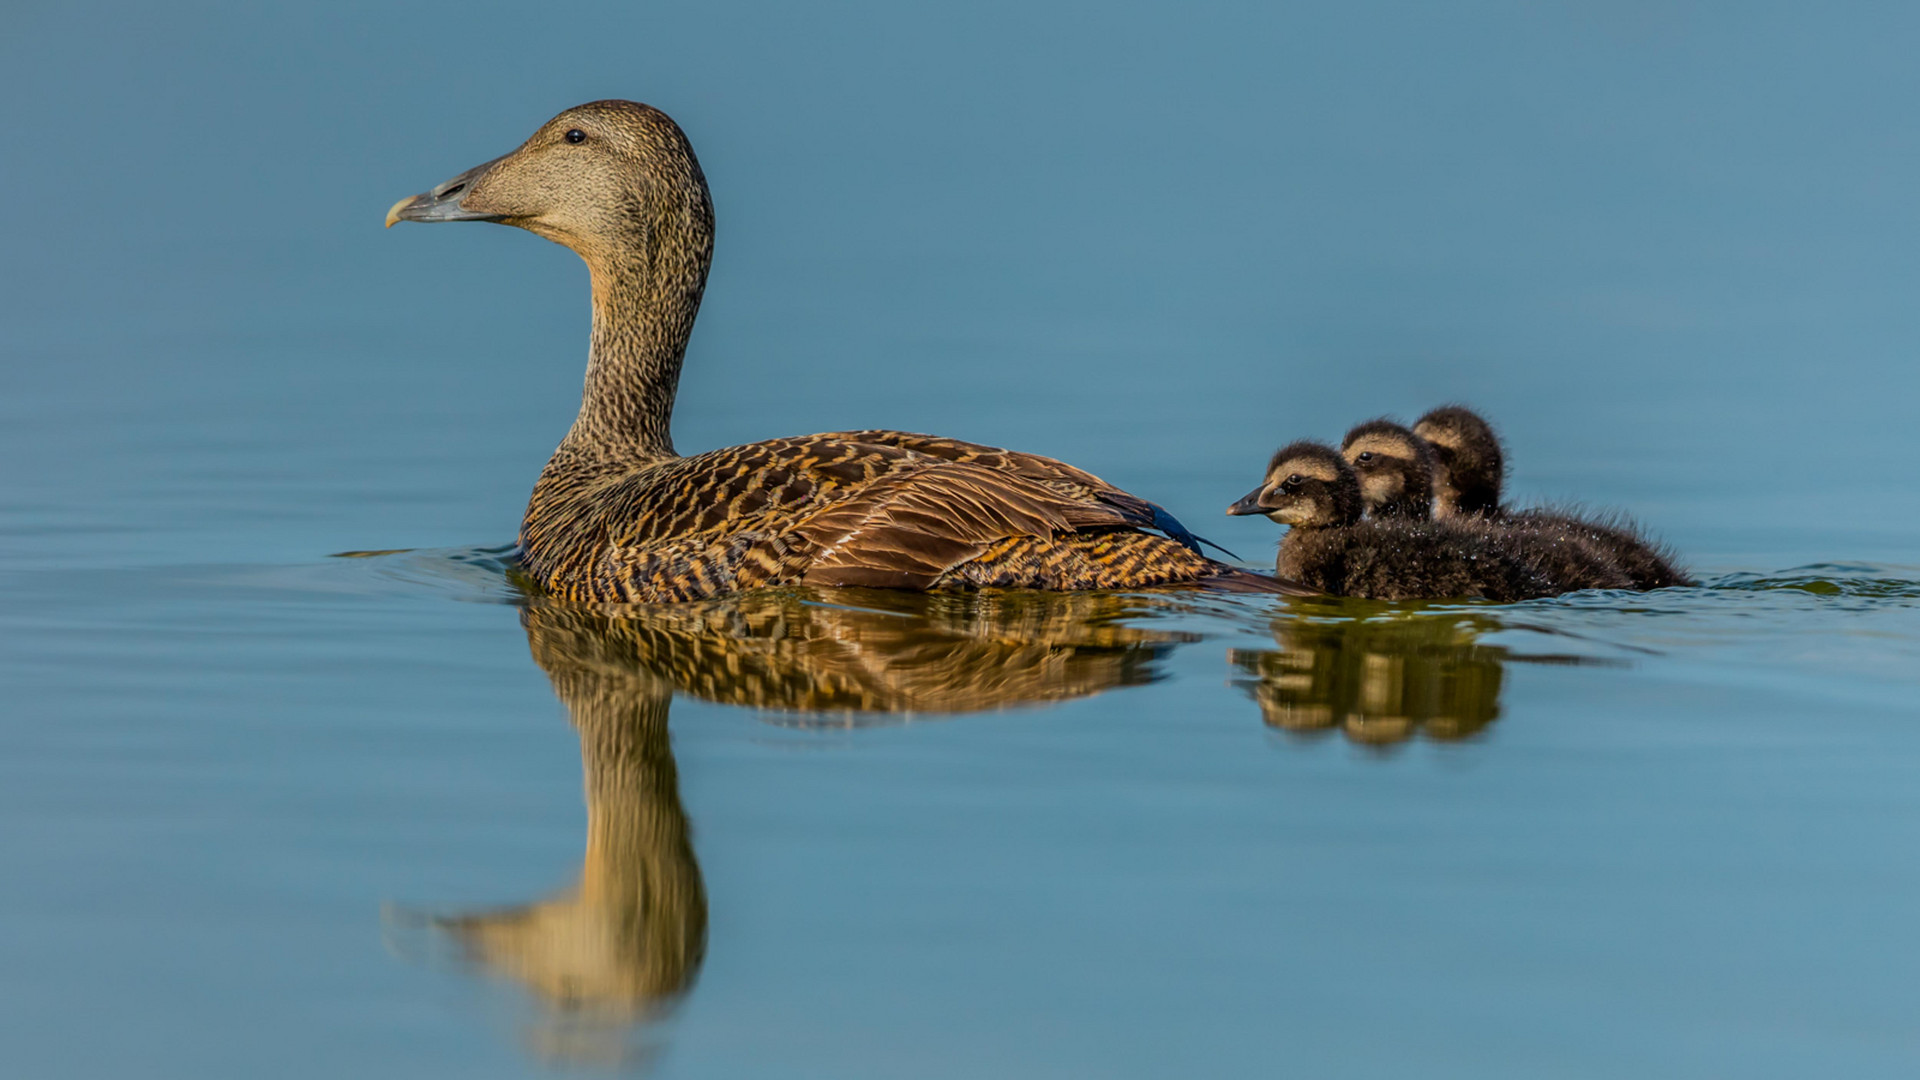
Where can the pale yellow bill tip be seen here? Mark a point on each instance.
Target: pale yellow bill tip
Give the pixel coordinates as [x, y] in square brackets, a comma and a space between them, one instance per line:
[393, 212]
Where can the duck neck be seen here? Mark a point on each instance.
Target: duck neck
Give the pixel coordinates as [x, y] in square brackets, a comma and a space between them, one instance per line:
[644, 302]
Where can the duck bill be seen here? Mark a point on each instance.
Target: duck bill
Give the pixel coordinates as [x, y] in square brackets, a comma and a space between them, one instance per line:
[1248, 505]
[443, 202]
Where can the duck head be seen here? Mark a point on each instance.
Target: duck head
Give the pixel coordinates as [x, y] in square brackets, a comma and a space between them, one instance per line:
[1308, 484]
[1468, 461]
[605, 179]
[1395, 467]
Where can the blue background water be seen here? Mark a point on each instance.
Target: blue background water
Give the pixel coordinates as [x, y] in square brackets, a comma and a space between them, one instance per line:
[1671, 252]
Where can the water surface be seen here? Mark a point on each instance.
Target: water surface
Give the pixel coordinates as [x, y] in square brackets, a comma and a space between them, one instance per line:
[264, 811]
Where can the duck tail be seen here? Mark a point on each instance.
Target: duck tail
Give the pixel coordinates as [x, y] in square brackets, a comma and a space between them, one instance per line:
[1151, 515]
[1232, 579]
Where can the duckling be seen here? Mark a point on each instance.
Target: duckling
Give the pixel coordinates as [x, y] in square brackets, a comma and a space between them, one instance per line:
[1310, 487]
[1646, 563]
[1395, 467]
[1469, 479]
[1468, 461]
[619, 515]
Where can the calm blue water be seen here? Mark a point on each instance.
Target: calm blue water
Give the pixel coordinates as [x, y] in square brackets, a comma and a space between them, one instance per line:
[266, 812]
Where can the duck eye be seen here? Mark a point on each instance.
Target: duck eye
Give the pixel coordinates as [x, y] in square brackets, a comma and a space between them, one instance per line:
[1365, 456]
[576, 136]
[1293, 480]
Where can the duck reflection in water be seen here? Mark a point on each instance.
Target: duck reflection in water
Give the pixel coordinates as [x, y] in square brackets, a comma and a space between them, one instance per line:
[1380, 677]
[623, 944]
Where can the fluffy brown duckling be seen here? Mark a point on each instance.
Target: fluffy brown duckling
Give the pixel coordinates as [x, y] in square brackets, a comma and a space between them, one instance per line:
[1468, 461]
[1310, 487]
[1646, 563]
[1469, 476]
[1395, 467]
[1396, 480]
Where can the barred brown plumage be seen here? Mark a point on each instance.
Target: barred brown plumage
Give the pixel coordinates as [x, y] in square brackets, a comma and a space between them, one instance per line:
[618, 515]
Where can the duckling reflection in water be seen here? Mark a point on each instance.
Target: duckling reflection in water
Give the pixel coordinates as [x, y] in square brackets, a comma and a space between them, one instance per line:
[1377, 681]
[1381, 680]
[627, 940]
[1468, 478]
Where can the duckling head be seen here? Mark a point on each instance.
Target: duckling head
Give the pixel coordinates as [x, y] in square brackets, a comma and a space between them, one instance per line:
[1468, 461]
[1308, 484]
[1395, 467]
[607, 179]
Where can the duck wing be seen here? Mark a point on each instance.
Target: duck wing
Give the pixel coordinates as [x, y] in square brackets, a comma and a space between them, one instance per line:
[831, 509]
[909, 529]
[1049, 472]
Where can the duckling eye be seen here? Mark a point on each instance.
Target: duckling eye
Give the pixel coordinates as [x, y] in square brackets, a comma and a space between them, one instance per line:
[576, 136]
[1292, 481]
[1364, 457]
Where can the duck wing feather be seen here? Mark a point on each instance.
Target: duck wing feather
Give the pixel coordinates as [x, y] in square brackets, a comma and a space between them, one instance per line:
[827, 509]
[1050, 472]
[908, 529]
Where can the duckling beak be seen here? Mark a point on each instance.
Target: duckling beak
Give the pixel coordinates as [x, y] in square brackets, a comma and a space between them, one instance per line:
[443, 202]
[1248, 505]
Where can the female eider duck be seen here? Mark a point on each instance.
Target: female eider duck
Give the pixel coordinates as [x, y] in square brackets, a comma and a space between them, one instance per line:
[1468, 480]
[1310, 487]
[1396, 470]
[619, 515]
